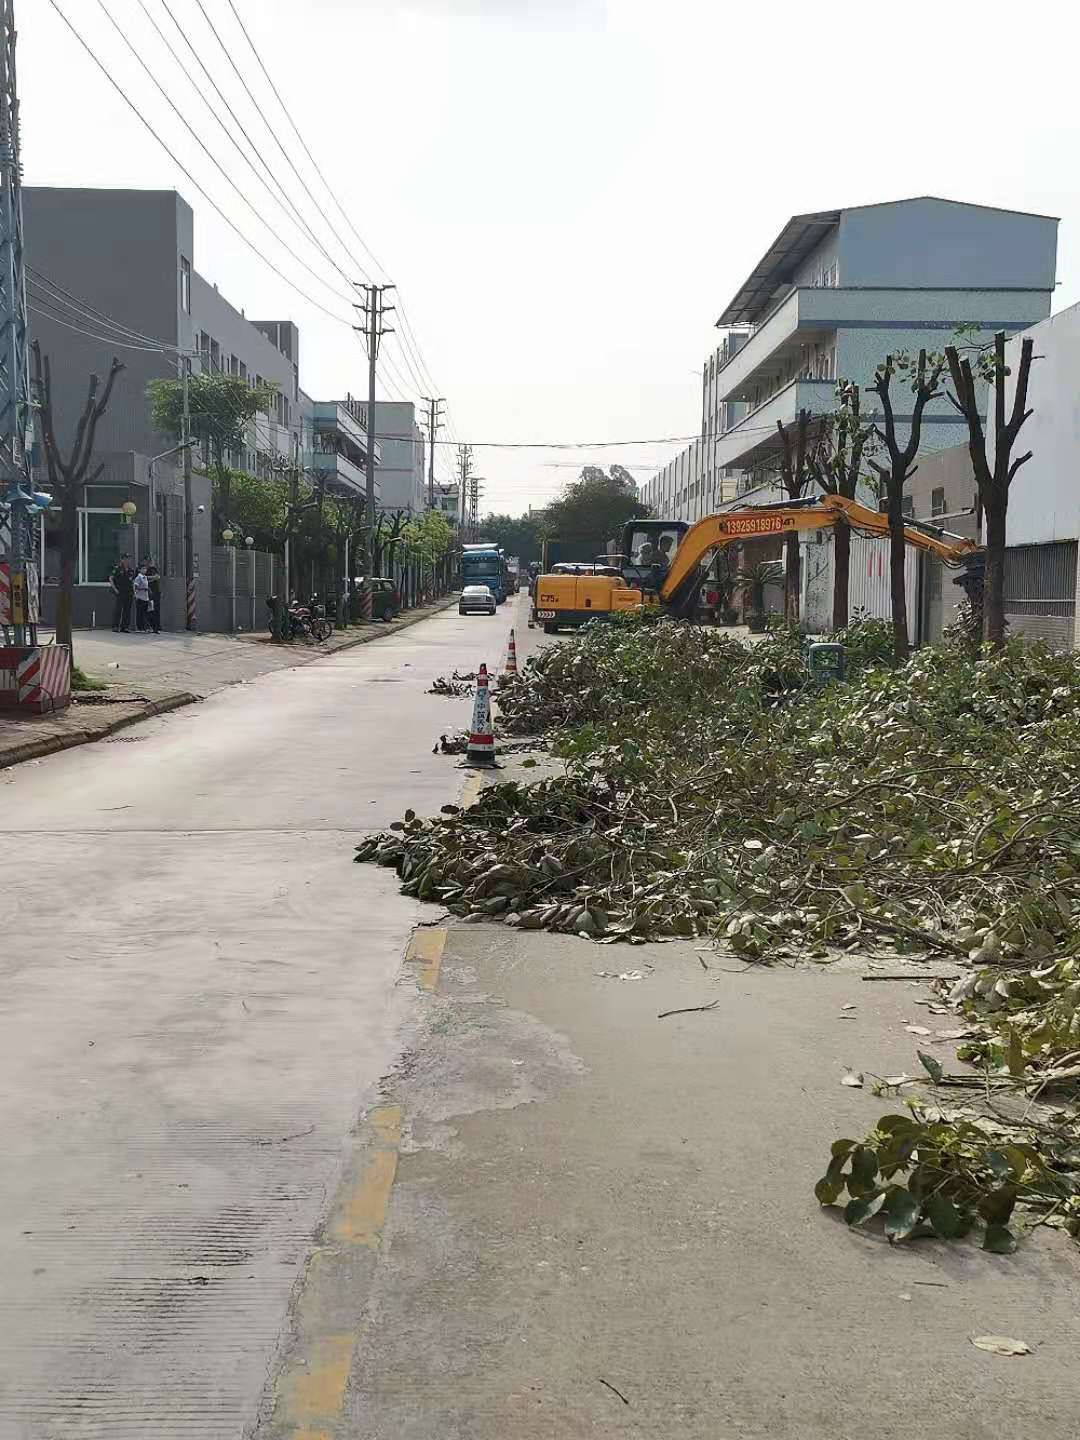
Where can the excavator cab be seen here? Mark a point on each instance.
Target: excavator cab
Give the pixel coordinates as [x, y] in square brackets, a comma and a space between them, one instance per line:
[649, 548]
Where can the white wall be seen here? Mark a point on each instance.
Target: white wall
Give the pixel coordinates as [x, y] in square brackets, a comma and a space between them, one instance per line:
[868, 582]
[1044, 502]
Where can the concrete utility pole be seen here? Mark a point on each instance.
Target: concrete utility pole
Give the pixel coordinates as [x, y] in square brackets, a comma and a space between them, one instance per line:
[434, 425]
[192, 602]
[464, 455]
[18, 586]
[373, 310]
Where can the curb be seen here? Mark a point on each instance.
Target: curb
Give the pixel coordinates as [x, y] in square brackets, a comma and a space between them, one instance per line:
[369, 636]
[50, 745]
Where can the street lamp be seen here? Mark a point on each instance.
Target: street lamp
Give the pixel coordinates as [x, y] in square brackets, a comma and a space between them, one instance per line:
[129, 509]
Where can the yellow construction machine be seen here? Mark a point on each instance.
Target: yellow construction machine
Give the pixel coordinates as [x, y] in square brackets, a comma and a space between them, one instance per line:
[664, 561]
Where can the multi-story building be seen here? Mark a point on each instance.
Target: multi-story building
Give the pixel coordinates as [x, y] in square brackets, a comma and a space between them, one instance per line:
[127, 286]
[837, 291]
[448, 501]
[403, 482]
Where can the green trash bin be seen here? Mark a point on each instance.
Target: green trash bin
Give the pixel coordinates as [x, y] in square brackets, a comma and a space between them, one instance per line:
[826, 662]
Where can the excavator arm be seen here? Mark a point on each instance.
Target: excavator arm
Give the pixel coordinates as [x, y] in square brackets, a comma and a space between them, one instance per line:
[757, 522]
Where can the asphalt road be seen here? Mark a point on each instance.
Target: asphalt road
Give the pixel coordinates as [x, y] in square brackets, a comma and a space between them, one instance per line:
[197, 999]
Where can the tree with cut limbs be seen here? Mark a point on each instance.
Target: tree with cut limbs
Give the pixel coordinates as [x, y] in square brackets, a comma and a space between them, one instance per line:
[795, 474]
[69, 475]
[994, 478]
[923, 377]
[222, 408]
[836, 466]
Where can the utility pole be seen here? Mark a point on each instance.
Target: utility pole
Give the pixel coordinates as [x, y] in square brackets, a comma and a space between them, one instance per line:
[373, 309]
[18, 586]
[434, 425]
[192, 602]
[464, 455]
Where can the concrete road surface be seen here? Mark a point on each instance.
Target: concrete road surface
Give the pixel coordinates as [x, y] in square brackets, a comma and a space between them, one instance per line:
[275, 1169]
[197, 999]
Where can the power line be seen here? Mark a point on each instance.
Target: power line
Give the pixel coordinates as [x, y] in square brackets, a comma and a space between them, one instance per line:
[211, 156]
[340, 319]
[408, 337]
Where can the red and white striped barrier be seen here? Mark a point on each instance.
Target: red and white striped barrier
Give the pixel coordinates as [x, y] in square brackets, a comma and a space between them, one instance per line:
[38, 680]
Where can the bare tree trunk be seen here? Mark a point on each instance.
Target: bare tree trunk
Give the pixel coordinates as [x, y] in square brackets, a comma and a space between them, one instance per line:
[841, 575]
[898, 578]
[69, 543]
[994, 582]
[792, 579]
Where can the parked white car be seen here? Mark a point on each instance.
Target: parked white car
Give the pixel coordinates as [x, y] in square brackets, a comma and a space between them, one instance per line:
[476, 599]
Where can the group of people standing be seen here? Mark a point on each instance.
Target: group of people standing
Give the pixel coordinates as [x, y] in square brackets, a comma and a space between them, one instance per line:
[139, 588]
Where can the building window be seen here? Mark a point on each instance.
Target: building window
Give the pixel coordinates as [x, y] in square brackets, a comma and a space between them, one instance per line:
[907, 508]
[103, 538]
[937, 500]
[185, 285]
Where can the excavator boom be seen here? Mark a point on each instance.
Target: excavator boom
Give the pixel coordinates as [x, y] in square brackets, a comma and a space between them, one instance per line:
[796, 517]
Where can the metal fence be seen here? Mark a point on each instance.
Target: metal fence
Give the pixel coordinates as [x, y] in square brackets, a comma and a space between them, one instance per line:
[240, 581]
[1040, 592]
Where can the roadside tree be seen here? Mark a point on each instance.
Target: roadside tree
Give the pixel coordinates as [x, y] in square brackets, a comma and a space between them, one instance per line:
[922, 377]
[592, 509]
[836, 465]
[795, 476]
[994, 476]
[69, 474]
[222, 408]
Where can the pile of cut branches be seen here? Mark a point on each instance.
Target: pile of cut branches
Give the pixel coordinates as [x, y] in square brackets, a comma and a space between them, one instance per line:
[709, 791]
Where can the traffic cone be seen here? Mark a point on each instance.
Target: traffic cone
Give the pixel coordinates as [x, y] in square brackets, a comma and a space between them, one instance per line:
[481, 747]
[510, 669]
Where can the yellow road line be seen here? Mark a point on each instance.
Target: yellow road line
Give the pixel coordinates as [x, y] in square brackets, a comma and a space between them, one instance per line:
[426, 950]
[361, 1210]
[311, 1390]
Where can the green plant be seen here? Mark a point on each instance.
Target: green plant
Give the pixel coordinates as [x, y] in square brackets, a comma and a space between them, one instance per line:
[955, 1178]
[81, 681]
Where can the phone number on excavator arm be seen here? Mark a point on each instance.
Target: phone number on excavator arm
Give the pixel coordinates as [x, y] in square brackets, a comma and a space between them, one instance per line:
[754, 525]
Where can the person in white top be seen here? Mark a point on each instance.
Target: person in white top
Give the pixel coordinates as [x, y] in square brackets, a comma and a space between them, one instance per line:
[142, 600]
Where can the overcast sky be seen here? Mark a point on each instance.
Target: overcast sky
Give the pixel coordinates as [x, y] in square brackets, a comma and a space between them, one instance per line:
[565, 191]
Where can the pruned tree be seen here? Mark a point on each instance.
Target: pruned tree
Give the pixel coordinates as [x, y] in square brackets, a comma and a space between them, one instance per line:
[221, 408]
[994, 477]
[923, 377]
[836, 465]
[70, 474]
[795, 476]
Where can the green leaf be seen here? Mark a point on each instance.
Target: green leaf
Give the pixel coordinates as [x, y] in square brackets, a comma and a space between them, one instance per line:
[931, 1065]
[999, 1240]
[864, 1207]
[842, 1147]
[831, 1185]
[947, 1220]
[996, 1206]
[864, 1169]
[901, 1213]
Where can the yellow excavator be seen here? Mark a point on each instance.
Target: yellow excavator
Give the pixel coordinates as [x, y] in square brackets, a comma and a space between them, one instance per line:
[664, 561]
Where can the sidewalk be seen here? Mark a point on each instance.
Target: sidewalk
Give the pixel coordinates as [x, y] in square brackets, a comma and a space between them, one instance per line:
[147, 675]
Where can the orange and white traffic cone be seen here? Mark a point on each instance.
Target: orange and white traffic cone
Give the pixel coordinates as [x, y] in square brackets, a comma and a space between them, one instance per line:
[481, 747]
[510, 670]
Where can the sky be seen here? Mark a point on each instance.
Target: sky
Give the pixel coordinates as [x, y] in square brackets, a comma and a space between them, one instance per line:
[565, 192]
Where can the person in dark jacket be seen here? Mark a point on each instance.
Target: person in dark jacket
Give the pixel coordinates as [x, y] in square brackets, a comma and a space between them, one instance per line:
[122, 583]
